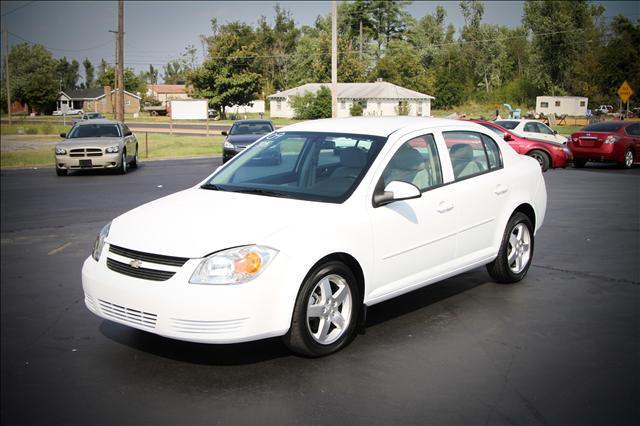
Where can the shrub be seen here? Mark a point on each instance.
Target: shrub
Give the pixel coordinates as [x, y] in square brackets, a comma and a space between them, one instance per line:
[31, 130]
[311, 106]
[356, 110]
[47, 129]
[403, 108]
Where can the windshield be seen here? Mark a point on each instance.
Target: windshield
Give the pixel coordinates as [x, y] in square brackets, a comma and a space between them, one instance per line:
[251, 128]
[302, 165]
[509, 125]
[95, 131]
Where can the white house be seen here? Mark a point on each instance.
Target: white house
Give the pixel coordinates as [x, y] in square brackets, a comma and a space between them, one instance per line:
[254, 107]
[379, 98]
[562, 105]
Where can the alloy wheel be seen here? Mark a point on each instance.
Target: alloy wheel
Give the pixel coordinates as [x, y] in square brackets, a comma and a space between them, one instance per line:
[329, 309]
[519, 250]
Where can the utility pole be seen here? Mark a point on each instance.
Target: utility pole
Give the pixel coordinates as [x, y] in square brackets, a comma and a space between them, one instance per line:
[120, 70]
[360, 39]
[6, 73]
[115, 78]
[334, 59]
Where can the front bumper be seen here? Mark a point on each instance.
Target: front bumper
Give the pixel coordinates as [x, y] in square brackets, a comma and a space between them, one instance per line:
[196, 313]
[104, 161]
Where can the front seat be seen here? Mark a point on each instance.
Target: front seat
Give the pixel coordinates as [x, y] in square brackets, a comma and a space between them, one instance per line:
[407, 165]
[352, 161]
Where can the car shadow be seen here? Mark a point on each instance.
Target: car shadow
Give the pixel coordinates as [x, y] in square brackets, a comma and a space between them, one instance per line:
[608, 168]
[102, 172]
[272, 348]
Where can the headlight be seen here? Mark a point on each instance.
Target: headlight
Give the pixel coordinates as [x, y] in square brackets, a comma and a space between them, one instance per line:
[60, 151]
[112, 149]
[228, 145]
[233, 266]
[99, 243]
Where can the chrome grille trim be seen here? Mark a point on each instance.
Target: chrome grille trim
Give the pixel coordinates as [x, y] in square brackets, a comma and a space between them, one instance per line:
[134, 316]
[141, 273]
[85, 152]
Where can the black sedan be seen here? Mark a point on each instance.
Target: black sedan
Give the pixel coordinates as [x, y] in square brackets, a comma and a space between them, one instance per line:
[242, 134]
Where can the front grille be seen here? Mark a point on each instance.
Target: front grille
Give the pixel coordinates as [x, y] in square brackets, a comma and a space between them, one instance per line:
[149, 257]
[142, 273]
[85, 152]
[134, 316]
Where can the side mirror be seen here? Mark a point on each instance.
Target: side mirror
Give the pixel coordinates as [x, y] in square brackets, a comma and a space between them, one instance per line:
[63, 135]
[129, 133]
[224, 133]
[555, 132]
[508, 137]
[396, 191]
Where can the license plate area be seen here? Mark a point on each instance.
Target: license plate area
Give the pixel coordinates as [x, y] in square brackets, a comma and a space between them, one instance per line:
[587, 142]
[86, 163]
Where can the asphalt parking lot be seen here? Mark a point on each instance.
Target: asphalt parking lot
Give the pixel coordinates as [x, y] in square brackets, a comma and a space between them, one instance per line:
[562, 347]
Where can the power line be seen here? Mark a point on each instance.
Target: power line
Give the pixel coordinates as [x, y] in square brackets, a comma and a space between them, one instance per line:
[17, 8]
[57, 49]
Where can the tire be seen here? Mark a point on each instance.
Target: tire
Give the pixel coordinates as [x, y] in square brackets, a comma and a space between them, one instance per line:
[123, 164]
[579, 163]
[134, 162]
[627, 161]
[518, 237]
[542, 158]
[307, 336]
[61, 172]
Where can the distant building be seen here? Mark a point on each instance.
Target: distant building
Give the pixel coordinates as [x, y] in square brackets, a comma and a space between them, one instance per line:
[255, 107]
[167, 92]
[379, 98]
[96, 100]
[562, 105]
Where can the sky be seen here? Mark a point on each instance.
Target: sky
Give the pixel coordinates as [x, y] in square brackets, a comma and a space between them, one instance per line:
[158, 31]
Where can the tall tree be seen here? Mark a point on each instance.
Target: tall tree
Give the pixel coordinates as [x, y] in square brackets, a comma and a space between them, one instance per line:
[132, 82]
[68, 73]
[33, 76]
[89, 74]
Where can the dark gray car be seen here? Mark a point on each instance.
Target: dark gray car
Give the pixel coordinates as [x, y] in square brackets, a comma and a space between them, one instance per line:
[242, 134]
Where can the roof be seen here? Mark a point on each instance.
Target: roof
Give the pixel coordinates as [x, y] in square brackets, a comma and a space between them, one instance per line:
[377, 90]
[167, 88]
[90, 94]
[375, 126]
[98, 121]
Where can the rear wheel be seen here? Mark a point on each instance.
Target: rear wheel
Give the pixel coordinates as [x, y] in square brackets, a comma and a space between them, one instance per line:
[627, 160]
[542, 158]
[61, 172]
[579, 163]
[326, 311]
[516, 251]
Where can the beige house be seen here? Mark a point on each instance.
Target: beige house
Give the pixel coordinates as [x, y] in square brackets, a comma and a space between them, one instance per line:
[96, 100]
[168, 92]
[377, 99]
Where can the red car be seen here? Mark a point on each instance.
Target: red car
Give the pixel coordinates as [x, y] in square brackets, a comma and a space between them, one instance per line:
[617, 141]
[549, 154]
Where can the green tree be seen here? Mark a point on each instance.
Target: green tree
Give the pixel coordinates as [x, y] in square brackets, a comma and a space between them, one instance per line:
[68, 73]
[401, 65]
[33, 76]
[310, 106]
[132, 82]
[389, 19]
[89, 74]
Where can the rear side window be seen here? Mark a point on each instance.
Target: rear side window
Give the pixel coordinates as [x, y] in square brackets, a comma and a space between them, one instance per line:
[468, 154]
[607, 126]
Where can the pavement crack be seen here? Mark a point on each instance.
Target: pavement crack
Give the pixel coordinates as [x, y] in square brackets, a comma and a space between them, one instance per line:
[587, 275]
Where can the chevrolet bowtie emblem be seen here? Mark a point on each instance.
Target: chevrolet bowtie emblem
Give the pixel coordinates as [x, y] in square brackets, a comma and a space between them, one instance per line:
[135, 263]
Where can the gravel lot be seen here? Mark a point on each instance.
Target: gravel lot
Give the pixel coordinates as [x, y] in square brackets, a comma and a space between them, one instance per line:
[561, 347]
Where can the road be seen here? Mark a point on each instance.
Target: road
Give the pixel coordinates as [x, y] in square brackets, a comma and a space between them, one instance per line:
[561, 347]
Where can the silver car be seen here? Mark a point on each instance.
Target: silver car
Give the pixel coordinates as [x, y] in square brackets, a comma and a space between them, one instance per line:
[97, 144]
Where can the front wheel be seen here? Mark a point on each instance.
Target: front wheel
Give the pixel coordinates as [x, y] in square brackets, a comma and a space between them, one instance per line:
[134, 162]
[61, 172]
[516, 251]
[326, 311]
[627, 160]
[123, 163]
[542, 158]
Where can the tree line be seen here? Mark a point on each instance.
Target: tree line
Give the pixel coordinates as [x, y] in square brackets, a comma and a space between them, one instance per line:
[558, 48]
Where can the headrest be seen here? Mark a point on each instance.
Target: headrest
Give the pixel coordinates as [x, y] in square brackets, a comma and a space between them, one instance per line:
[353, 157]
[408, 158]
[461, 152]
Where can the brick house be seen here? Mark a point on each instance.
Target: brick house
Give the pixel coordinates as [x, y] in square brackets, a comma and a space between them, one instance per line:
[97, 100]
[168, 92]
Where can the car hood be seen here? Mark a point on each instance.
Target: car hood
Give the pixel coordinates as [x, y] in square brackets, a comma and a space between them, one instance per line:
[196, 222]
[97, 142]
[243, 139]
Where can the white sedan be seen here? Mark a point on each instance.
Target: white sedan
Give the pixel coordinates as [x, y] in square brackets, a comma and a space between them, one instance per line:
[532, 129]
[360, 210]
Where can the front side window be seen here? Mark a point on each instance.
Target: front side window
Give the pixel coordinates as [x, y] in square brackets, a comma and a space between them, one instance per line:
[633, 130]
[95, 131]
[416, 162]
[544, 129]
[468, 154]
[314, 166]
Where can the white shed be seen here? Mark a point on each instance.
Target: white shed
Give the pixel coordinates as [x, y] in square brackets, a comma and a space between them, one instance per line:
[377, 99]
[575, 106]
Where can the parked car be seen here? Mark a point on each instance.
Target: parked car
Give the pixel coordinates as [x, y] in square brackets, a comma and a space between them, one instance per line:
[306, 246]
[548, 154]
[97, 144]
[532, 129]
[68, 112]
[617, 141]
[242, 134]
[89, 116]
[605, 109]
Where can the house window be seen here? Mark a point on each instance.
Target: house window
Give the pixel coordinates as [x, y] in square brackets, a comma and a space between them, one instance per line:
[343, 105]
[557, 103]
[419, 108]
[544, 104]
[279, 105]
[363, 103]
[582, 103]
[379, 105]
[128, 102]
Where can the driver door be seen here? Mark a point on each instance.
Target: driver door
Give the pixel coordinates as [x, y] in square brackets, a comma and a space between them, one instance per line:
[413, 239]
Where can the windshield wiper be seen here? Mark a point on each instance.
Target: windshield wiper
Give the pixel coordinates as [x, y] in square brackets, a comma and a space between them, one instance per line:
[264, 192]
[211, 187]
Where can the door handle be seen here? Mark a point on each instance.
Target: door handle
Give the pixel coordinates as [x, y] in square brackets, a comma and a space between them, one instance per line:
[500, 189]
[444, 206]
